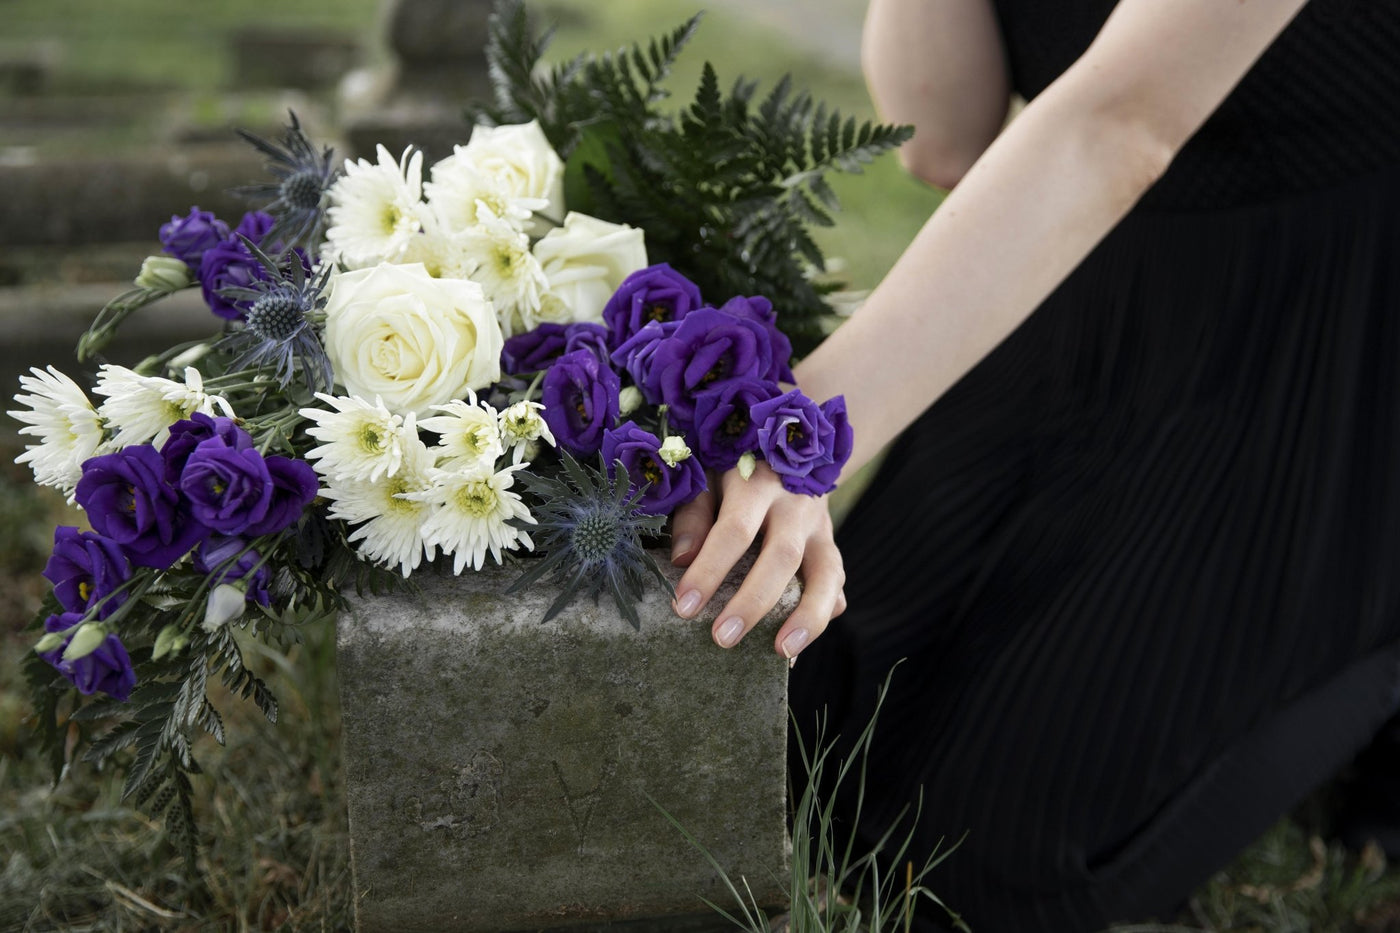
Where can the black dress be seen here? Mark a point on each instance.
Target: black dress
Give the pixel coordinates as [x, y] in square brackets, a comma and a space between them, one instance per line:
[1144, 560]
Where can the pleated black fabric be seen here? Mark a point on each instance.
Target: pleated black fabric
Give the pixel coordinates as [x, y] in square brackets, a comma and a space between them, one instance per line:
[1140, 560]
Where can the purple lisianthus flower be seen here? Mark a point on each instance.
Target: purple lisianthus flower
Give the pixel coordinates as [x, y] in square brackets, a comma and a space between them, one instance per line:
[107, 669]
[724, 426]
[533, 350]
[228, 489]
[656, 293]
[586, 335]
[294, 487]
[230, 264]
[230, 560]
[760, 310]
[639, 451]
[188, 434]
[804, 443]
[128, 500]
[709, 347]
[85, 569]
[580, 401]
[186, 238]
[637, 354]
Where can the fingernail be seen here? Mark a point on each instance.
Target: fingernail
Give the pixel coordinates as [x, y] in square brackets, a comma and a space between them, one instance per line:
[687, 605]
[795, 642]
[729, 632]
[681, 546]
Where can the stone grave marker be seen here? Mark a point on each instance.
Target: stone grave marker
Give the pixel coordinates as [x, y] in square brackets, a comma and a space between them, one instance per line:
[498, 768]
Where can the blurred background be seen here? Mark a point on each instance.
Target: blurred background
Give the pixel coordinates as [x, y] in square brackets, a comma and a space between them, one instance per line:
[115, 116]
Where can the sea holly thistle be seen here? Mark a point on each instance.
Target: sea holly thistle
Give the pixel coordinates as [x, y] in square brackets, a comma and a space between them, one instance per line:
[726, 188]
[590, 528]
[296, 196]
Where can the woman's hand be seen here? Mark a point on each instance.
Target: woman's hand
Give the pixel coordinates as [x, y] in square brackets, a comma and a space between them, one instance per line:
[797, 537]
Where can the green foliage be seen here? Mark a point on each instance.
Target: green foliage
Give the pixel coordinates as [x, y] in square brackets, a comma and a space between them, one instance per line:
[726, 190]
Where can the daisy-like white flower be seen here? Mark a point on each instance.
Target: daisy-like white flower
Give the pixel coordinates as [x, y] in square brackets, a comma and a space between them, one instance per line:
[68, 427]
[361, 440]
[508, 272]
[142, 408]
[461, 196]
[376, 209]
[522, 425]
[472, 515]
[388, 515]
[470, 434]
[441, 253]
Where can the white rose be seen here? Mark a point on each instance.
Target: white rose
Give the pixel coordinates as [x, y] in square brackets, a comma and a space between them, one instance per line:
[395, 332]
[586, 260]
[512, 170]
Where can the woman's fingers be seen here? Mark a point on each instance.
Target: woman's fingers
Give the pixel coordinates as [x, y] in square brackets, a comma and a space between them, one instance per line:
[690, 524]
[743, 507]
[823, 599]
[776, 565]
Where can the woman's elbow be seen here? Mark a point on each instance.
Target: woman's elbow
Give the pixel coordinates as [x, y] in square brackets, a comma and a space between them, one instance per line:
[938, 165]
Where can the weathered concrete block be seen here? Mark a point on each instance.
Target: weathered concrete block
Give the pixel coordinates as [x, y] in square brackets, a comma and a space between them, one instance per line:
[498, 768]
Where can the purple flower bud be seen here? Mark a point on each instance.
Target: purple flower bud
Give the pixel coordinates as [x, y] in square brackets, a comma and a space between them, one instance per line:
[580, 401]
[656, 293]
[230, 264]
[639, 351]
[186, 238]
[107, 669]
[639, 452]
[760, 311]
[128, 500]
[805, 444]
[533, 350]
[724, 428]
[188, 434]
[84, 569]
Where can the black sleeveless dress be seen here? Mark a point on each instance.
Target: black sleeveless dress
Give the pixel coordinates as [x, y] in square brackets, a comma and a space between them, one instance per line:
[1144, 560]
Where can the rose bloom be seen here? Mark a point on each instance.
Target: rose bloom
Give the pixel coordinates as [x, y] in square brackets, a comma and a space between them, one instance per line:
[395, 332]
[586, 260]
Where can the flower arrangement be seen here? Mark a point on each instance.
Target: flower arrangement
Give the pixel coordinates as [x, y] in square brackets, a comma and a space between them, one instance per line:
[535, 352]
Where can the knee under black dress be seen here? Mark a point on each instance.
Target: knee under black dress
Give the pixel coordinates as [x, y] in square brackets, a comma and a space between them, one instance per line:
[1144, 560]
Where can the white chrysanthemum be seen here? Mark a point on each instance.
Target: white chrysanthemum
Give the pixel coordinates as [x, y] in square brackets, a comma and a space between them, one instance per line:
[68, 427]
[470, 434]
[142, 408]
[376, 209]
[443, 255]
[472, 514]
[508, 272]
[360, 440]
[460, 196]
[521, 426]
[388, 515]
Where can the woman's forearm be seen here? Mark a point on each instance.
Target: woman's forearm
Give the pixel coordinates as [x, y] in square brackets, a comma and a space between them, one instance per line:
[1035, 204]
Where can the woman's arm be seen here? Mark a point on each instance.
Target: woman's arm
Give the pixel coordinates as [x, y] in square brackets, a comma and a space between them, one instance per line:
[1041, 197]
[939, 65]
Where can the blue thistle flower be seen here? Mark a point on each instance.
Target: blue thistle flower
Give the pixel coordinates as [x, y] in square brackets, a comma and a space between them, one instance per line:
[590, 531]
[279, 327]
[297, 198]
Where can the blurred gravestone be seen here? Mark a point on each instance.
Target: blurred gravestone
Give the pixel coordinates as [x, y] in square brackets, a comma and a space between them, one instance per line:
[440, 66]
[305, 59]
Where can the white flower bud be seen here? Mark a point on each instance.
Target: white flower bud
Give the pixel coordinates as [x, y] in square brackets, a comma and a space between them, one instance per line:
[50, 642]
[226, 603]
[673, 450]
[163, 274]
[166, 642]
[629, 400]
[747, 464]
[86, 640]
